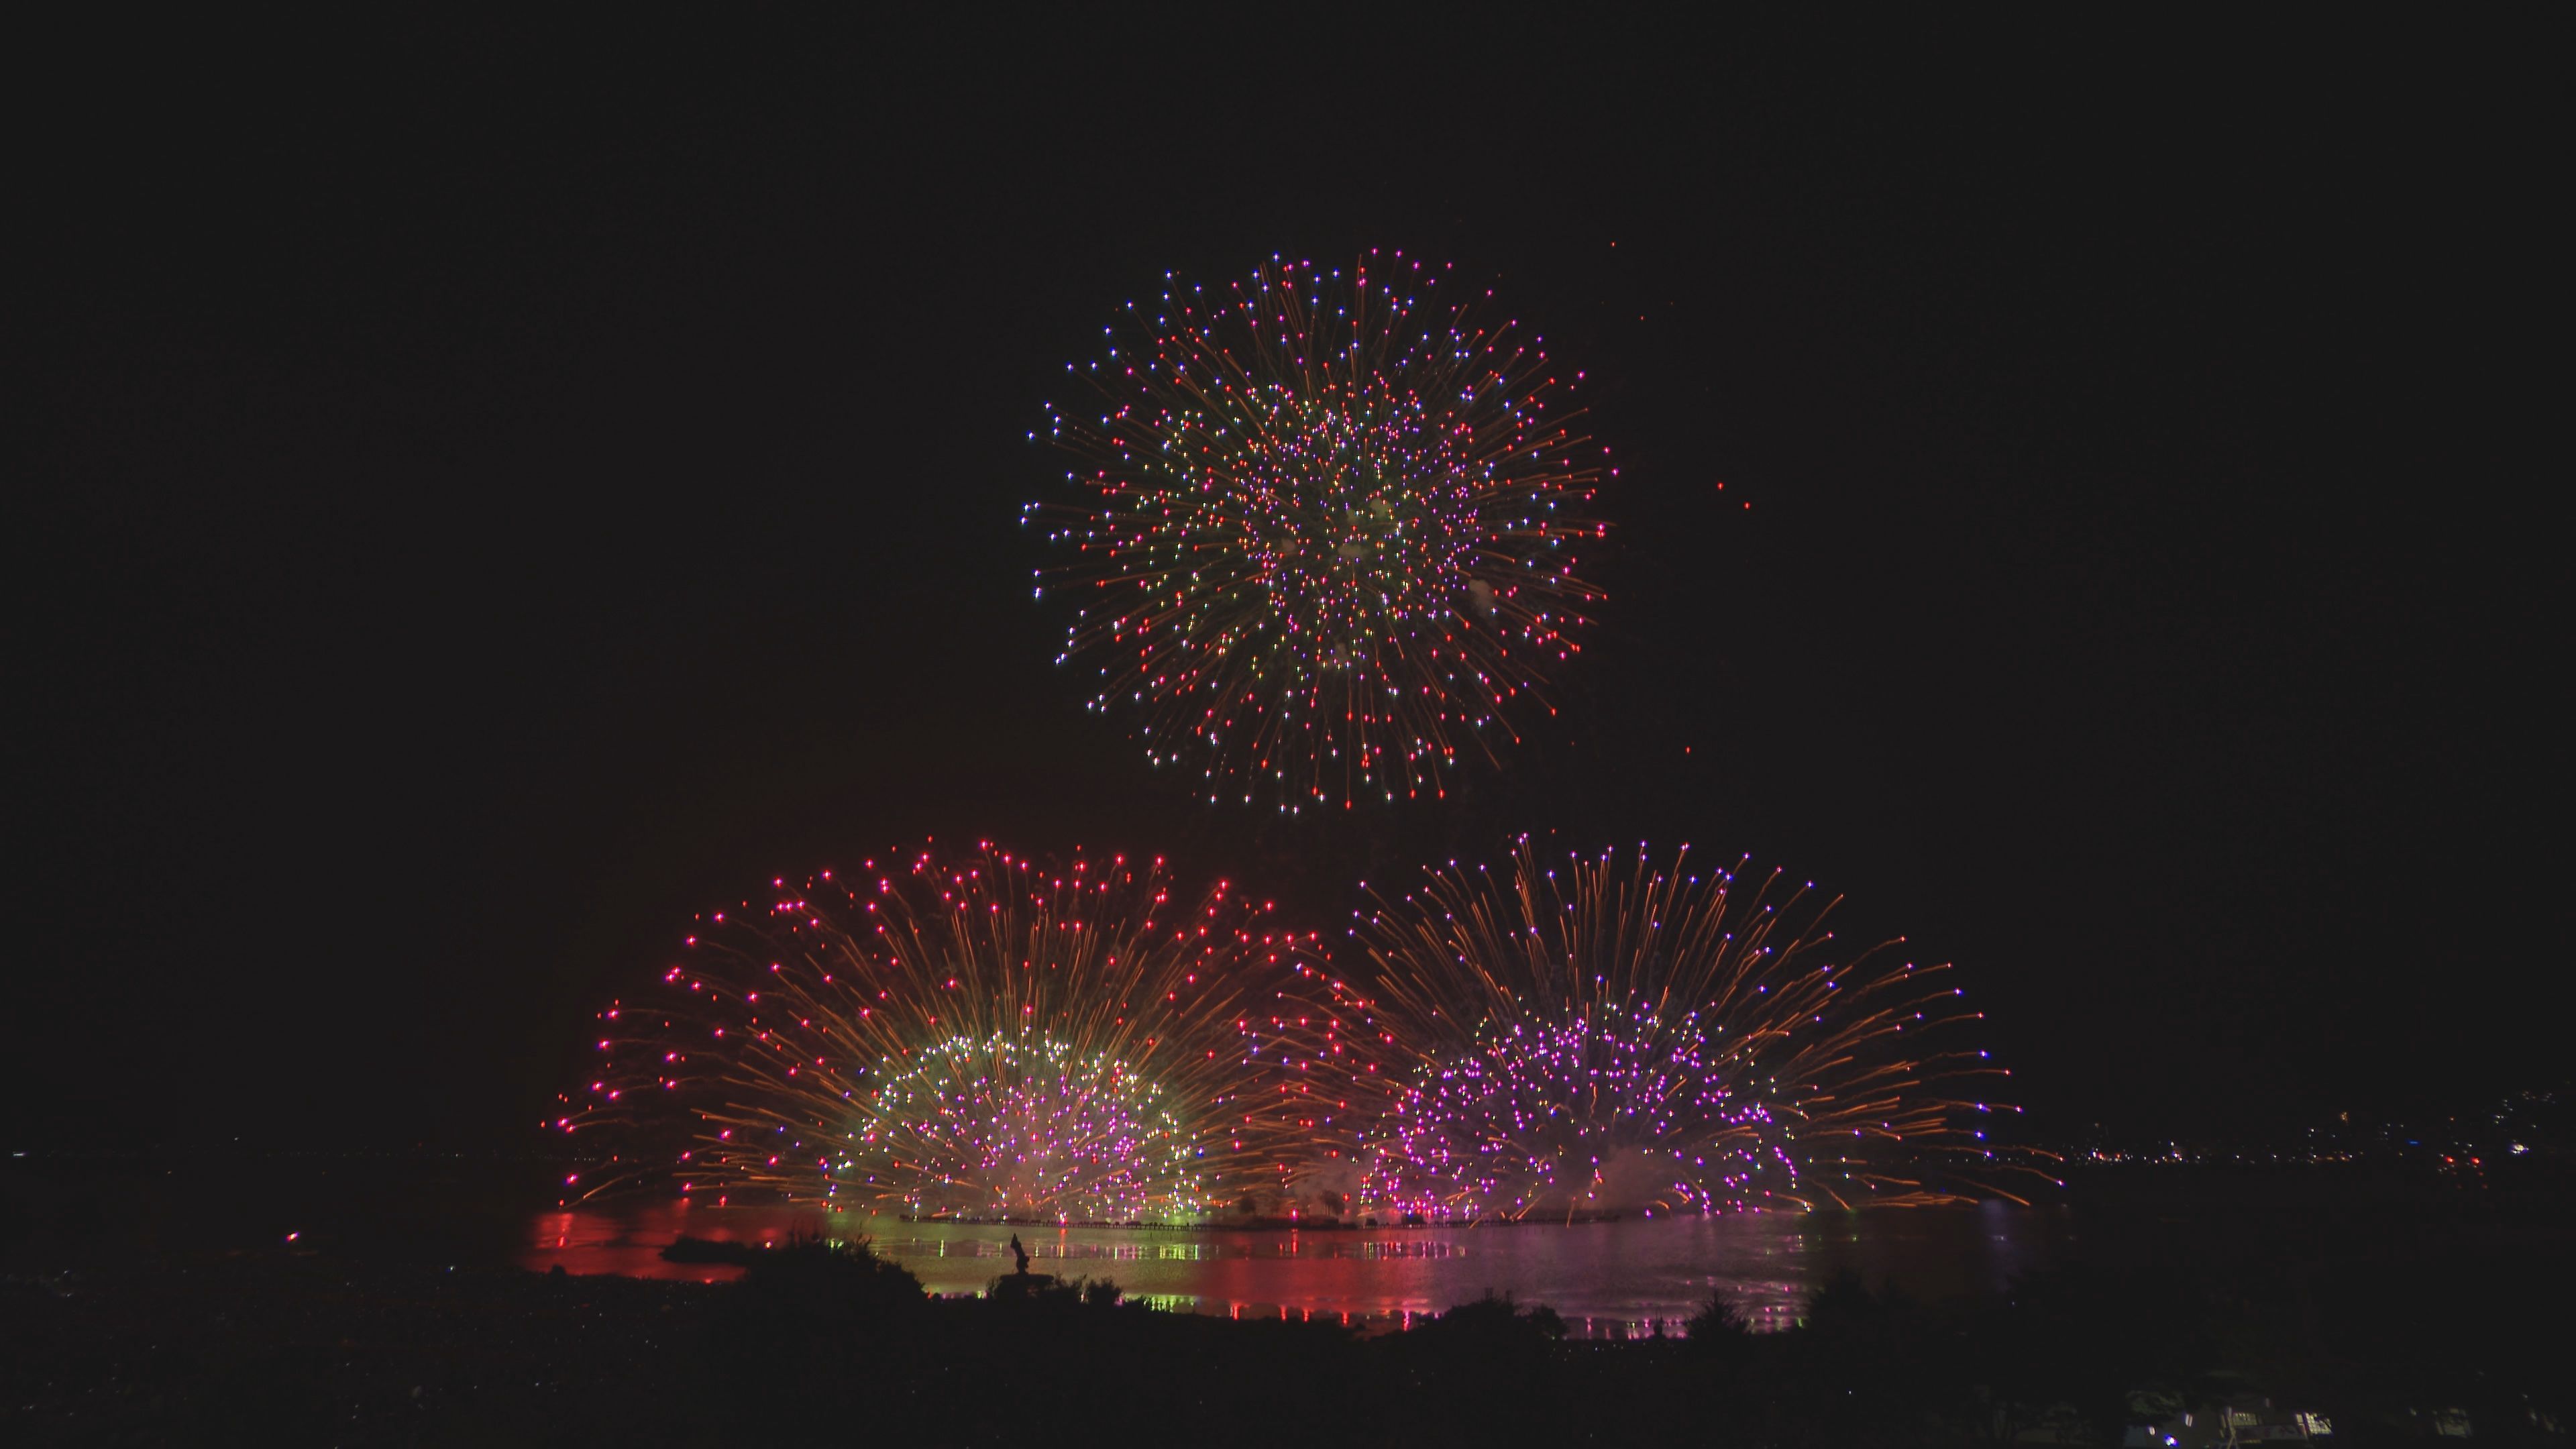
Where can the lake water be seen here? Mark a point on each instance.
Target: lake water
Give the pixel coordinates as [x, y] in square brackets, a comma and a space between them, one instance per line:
[2438, 1251]
[1609, 1280]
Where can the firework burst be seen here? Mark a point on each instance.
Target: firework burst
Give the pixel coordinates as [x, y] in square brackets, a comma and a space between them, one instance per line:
[1604, 1037]
[976, 1036]
[1329, 534]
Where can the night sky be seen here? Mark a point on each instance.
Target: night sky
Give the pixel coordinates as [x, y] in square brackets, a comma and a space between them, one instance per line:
[480, 496]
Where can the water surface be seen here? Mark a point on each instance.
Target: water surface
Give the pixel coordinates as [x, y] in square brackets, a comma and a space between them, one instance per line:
[1608, 1279]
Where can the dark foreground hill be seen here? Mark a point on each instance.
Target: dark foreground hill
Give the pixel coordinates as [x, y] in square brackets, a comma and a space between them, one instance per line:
[823, 1345]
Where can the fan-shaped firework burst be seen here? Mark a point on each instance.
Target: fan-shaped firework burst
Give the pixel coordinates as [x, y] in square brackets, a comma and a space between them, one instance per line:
[1601, 1038]
[980, 1036]
[1331, 529]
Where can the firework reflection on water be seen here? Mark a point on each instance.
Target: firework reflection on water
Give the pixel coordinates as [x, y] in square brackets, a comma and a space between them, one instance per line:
[1609, 1280]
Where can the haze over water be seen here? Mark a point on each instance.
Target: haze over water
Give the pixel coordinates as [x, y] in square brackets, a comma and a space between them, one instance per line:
[1617, 1279]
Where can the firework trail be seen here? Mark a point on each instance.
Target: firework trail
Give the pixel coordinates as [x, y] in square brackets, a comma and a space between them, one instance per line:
[975, 1035]
[1329, 529]
[1599, 1037]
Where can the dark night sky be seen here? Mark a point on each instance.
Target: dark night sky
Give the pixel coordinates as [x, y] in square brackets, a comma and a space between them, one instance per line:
[480, 496]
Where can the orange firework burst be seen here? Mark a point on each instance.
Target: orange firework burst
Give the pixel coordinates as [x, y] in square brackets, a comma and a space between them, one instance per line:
[977, 1036]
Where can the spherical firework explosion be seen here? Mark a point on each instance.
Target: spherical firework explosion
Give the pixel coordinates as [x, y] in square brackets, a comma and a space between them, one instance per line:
[1596, 1039]
[980, 1036]
[1027, 1127]
[1330, 532]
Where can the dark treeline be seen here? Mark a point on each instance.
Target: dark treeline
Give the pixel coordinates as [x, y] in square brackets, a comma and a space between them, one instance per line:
[821, 1343]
